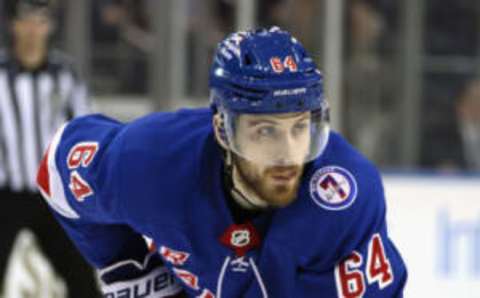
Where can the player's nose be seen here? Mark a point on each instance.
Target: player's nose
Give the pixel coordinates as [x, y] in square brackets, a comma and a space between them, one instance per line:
[286, 152]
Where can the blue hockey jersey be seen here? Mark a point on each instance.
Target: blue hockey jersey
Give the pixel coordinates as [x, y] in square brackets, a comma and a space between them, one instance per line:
[160, 176]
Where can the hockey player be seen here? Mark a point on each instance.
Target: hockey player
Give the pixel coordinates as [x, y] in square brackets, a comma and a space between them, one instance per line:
[254, 197]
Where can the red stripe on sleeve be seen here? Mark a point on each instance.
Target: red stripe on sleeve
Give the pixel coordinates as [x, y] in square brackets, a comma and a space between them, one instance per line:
[43, 175]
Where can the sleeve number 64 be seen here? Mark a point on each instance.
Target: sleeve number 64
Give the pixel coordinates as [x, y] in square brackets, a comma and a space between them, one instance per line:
[351, 281]
[81, 155]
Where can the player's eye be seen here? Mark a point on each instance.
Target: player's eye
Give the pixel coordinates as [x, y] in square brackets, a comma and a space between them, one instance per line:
[300, 128]
[266, 132]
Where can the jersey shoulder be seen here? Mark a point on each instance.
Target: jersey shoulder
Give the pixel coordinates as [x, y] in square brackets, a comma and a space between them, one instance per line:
[103, 170]
[164, 145]
[161, 156]
[165, 133]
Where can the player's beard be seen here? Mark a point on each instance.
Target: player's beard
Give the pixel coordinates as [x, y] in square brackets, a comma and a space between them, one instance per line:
[270, 184]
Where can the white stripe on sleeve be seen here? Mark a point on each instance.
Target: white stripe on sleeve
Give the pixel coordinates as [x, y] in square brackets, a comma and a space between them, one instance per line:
[57, 199]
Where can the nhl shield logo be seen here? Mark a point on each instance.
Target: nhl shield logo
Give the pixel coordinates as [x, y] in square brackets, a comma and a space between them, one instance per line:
[333, 188]
[240, 238]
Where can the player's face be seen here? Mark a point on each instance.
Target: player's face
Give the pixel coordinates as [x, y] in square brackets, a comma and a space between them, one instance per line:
[279, 143]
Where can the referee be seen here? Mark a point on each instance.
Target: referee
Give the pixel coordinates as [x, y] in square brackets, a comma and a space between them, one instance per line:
[39, 90]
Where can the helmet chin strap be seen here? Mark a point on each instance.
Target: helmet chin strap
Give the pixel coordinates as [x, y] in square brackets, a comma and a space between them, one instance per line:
[241, 193]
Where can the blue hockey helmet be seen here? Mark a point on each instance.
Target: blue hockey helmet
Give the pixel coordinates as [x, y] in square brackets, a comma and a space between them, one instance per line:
[267, 71]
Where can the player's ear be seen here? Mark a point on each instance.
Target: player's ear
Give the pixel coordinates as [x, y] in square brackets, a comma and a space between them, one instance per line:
[219, 129]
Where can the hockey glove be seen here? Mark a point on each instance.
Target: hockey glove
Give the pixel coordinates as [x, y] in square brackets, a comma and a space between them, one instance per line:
[129, 278]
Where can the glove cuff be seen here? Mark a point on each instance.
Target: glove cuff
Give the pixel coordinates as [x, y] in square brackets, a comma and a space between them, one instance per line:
[129, 278]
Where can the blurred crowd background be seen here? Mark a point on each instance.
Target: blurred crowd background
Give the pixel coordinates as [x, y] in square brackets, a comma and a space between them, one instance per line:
[402, 76]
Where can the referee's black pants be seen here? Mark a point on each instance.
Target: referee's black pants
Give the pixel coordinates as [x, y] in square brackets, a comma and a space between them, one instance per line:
[26, 210]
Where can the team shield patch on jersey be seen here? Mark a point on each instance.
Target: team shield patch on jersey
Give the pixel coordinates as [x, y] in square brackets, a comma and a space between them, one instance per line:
[333, 188]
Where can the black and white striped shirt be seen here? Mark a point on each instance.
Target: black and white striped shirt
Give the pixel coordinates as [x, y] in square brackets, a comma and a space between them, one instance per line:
[32, 105]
